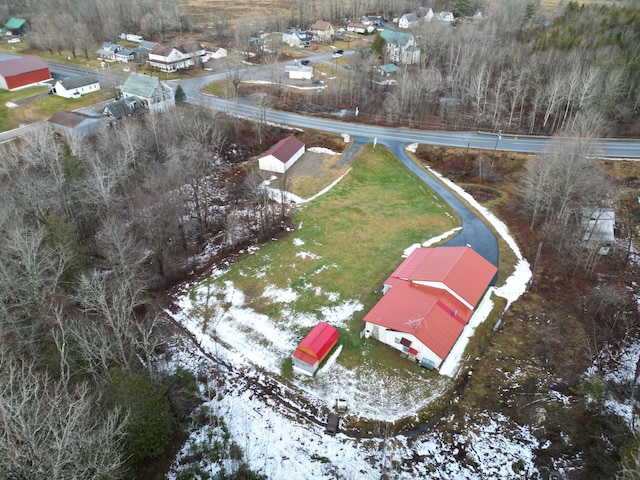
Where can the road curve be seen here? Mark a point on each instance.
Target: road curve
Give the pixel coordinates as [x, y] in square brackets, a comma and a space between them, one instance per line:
[607, 148]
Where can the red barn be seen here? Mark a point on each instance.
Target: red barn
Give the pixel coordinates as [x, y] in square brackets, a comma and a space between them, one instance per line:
[23, 72]
[314, 348]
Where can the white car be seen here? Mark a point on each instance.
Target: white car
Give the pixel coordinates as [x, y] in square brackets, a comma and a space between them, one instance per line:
[14, 40]
[336, 55]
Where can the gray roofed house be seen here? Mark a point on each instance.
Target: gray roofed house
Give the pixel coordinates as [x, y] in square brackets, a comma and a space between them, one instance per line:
[77, 86]
[152, 93]
[108, 51]
[295, 37]
[173, 58]
[124, 55]
[76, 122]
[408, 20]
[124, 107]
[142, 51]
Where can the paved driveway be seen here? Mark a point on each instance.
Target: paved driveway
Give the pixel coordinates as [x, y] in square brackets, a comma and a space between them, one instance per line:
[474, 231]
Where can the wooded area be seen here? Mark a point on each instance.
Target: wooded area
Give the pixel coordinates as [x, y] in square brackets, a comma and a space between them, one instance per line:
[93, 229]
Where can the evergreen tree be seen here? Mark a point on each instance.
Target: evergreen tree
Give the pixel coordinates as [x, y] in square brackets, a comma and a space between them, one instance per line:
[180, 96]
[462, 8]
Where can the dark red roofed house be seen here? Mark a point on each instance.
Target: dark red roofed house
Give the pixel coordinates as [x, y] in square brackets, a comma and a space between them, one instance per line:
[23, 72]
[314, 348]
[428, 300]
[282, 155]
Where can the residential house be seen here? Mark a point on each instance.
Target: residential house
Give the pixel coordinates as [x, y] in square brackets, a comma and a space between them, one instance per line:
[141, 52]
[428, 301]
[124, 55]
[280, 157]
[425, 13]
[314, 348]
[400, 47]
[408, 20]
[23, 72]
[150, 91]
[77, 86]
[77, 123]
[124, 107]
[217, 52]
[108, 51]
[322, 31]
[446, 17]
[299, 72]
[180, 57]
[357, 27]
[16, 26]
[296, 38]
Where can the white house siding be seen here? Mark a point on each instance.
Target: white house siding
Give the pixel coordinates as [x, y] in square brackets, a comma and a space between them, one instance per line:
[176, 60]
[392, 338]
[271, 164]
[62, 92]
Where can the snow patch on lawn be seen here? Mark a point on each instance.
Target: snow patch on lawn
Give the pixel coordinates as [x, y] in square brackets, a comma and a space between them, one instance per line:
[328, 151]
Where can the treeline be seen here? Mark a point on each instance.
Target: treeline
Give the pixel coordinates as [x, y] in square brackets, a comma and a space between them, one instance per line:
[91, 229]
[511, 70]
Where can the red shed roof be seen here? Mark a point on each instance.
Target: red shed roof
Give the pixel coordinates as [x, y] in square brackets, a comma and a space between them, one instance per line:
[18, 66]
[285, 149]
[433, 294]
[317, 344]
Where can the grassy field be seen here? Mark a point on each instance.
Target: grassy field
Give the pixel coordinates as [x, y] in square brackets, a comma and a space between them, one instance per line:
[33, 105]
[353, 238]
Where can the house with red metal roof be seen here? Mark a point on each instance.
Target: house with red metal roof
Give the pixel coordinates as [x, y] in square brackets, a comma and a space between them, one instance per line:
[23, 72]
[314, 348]
[282, 155]
[428, 300]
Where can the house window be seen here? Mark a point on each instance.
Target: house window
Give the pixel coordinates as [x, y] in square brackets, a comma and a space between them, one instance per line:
[405, 342]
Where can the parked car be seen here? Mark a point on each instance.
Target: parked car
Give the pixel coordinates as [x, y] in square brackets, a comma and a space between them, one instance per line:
[337, 53]
[305, 62]
[14, 40]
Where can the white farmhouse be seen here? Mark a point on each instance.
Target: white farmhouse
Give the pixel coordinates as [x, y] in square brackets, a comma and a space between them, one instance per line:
[282, 155]
[77, 86]
[172, 59]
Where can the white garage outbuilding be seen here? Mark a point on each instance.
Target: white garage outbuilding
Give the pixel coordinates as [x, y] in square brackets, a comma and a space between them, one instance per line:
[282, 155]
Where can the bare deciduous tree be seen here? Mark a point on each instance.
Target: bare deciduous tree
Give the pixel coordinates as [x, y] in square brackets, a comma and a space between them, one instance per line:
[55, 428]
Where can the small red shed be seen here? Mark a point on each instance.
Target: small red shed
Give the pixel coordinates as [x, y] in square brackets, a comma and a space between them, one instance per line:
[314, 348]
[23, 72]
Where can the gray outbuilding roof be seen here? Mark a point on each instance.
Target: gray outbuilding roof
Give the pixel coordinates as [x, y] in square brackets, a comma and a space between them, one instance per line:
[79, 81]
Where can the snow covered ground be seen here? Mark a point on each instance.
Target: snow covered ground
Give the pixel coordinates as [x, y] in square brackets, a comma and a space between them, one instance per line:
[275, 444]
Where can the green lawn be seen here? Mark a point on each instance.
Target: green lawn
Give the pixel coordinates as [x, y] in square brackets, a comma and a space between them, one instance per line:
[345, 245]
[41, 107]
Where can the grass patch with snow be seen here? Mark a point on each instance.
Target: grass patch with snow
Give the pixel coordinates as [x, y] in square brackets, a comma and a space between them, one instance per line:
[345, 244]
